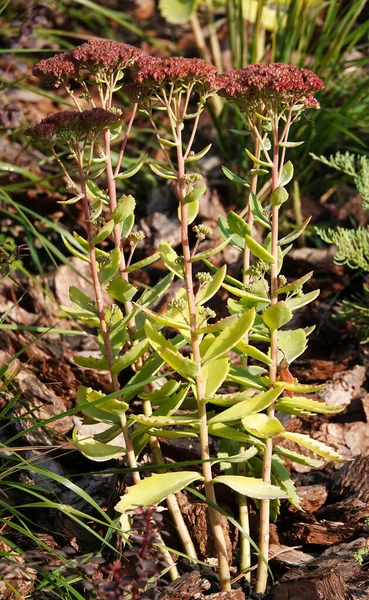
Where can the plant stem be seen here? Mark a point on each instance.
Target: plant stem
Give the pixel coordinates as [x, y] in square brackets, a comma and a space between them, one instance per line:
[100, 311]
[262, 574]
[220, 543]
[128, 307]
[242, 500]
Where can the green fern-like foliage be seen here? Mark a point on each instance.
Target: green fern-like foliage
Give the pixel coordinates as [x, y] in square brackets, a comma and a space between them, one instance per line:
[354, 166]
[352, 244]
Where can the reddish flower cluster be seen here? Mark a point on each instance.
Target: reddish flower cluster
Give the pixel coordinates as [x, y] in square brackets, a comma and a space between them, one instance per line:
[155, 73]
[56, 70]
[94, 56]
[108, 56]
[73, 125]
[275, 84]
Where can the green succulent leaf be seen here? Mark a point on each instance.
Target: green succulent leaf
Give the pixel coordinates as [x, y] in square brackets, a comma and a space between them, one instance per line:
[258, 212]
[111, 269]
[130, 357]
[317, 447]
[132, 170]
[296, 457]
[74, 251]
[93, 404]
[263, 426]
[249, 350]
[198, 155]
[234, 178]
[279, 196]
[277, 315]
[229, 433]
[82, 300]
[171, 259]
[234, 240]
[256, 160]
[145, 262]
[210, 252]
[300, 405]
[164, 420]
[300, 301]
[290, 237]
[121, 290]
[283, 477]
[192, 211]
[103, 233]
[238, 225]
[154, 489]
[95, 450]
[291, 344]
[194, 194]
[214, 373]
[294, 285]
[163, 172]
[251, 487]
[249, 406]
[90, 362]
[229, 337]
[169, 353]
[163, 319]
[287, 173]
[209, 290]
[259, 251]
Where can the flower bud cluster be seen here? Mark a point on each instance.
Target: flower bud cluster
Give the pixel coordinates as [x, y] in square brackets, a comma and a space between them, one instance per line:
[177, 304]
[207, 313]
[202, 231]
[204, 277]
[137, 237]
[257, 270]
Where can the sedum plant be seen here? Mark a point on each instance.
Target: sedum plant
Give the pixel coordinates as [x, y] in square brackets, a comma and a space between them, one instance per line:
[224, 378]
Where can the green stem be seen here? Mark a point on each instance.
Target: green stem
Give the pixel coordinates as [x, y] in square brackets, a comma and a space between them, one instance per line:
[262, 574]
[128, 307]
[100, 311]
[214, 516]
[242, 500]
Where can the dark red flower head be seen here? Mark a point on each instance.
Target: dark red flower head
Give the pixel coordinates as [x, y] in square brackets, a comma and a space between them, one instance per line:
[57, 70]
[276, 85]
[105, 55]
[73, 125]
[156, 73]
[94, 56]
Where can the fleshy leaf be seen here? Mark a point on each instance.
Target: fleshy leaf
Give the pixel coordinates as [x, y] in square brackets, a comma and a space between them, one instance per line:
[317, 447]
[169, 353]
[277, 315]
[229, 337]
[198, 155]
[262, 426]
[259, 251]
[210, 289]
[251, 487]
[153, 490]
[287, 173]
[171, 259]
[249, 406]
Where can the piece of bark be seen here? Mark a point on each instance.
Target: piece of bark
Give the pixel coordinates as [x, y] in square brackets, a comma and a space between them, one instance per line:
[344, 386]
[334, 575]
[312, 497]
[353, 480]
[350, 511]
[227, 595]
[290, 557]
[189, 586]
[196, 516]
[324, 533]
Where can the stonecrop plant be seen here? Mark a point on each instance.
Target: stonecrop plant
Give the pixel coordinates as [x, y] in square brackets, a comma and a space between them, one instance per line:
[216, 377]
